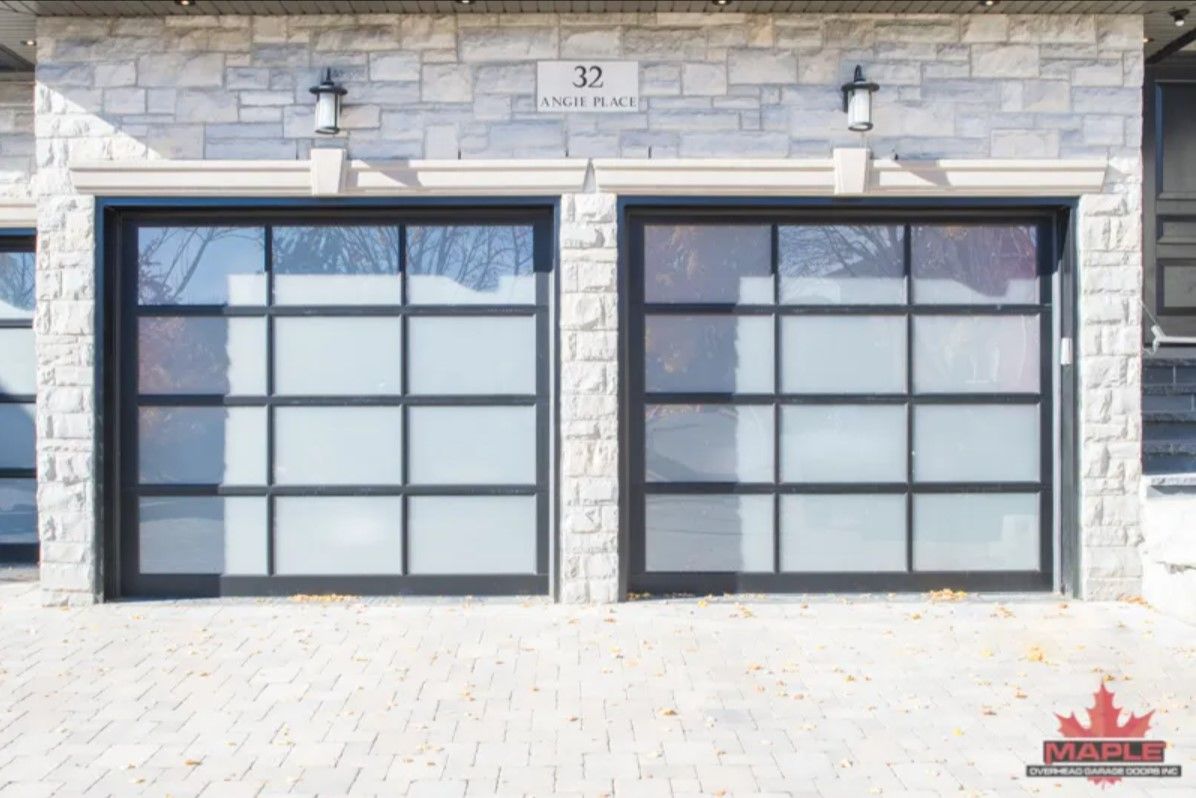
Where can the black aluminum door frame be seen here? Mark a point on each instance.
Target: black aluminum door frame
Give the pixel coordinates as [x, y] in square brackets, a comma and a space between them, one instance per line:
[634, 487]
[117, 370]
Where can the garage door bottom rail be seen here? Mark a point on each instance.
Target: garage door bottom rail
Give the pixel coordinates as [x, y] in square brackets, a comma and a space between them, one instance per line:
[214, 585]
[897, 582]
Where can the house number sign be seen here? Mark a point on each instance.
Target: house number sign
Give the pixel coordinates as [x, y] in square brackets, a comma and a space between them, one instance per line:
[587, 86]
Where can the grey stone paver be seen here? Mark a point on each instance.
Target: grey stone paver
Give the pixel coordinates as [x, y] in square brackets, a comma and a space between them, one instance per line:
[822, 696]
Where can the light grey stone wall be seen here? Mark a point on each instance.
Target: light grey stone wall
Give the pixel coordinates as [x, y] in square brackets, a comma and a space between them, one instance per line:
[16, 138]
[726, 84]
[589, 413]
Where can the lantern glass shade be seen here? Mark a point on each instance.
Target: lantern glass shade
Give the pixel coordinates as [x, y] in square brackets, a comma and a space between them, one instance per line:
[328, 104]
[859, 110]
[328, 112]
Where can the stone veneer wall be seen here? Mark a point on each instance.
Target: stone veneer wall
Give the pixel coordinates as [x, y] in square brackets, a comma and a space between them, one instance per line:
[16, 139]
[717, 84]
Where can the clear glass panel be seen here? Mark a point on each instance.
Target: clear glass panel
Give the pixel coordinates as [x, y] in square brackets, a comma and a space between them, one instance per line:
[974, 264]
[338, 445]
[202, 355]
[201, 265]
[708, 533]
[16, 285]
[843, 354]
[709, 443]
[976, 354]
[708, 263]
[202, 445]
[472, 445]
[336, 265]
[18, 368]
[202, 535]
[472, 355]
[843, 443]
[324, 535]
[1177, 136]
[472, 535]
[976, 532]
[18, 511]
[976, 443]
[842, 264]
[709, 353]
[17, 435]
[857, 532]
[470, 264]
[337, 356]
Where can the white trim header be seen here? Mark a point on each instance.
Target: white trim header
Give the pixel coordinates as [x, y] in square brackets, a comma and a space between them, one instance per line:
[16, 213]
[849, 172]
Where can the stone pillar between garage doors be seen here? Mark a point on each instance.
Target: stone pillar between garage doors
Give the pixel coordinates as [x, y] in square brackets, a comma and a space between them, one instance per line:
[589, 400]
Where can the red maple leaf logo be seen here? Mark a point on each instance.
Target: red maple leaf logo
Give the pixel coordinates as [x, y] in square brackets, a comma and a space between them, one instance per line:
[1103, 722]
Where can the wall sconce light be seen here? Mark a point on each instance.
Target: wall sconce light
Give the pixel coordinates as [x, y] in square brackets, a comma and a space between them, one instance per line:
[1179, 16]
[328, 104]
[857, 102]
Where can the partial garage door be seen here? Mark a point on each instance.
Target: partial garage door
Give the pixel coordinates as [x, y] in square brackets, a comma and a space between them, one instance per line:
[355, 402]
[845, 401]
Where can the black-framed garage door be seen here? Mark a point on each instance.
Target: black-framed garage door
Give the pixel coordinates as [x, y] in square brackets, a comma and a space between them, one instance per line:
[846, 400]
[352, 401]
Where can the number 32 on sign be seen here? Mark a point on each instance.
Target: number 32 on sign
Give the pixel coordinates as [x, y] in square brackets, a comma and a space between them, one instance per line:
[587, 86]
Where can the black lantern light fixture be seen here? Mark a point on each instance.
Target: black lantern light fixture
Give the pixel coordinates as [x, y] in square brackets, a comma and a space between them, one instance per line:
[857, 102]
[1179, 16]
[328, 104]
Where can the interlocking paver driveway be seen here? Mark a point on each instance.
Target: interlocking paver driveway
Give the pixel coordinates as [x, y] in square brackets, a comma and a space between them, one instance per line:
[822, 696]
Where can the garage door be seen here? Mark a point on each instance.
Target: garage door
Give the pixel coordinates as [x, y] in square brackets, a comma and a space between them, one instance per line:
[839, 402]
[350, 402]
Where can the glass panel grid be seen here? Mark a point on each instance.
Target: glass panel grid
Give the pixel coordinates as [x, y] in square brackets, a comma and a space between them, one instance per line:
[799, 292]
[18, 386]
[373, 379]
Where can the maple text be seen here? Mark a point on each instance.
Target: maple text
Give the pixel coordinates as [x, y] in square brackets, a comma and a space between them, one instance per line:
[1103, 751]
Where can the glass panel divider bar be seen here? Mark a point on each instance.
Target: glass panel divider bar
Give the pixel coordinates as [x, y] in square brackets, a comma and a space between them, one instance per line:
[271, 544]
[907, 259]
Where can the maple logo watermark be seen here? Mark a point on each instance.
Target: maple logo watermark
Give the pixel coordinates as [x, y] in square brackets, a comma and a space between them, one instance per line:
[1106, 750]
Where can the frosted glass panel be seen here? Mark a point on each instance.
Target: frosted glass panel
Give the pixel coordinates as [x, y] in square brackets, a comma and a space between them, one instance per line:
[966, 354]
[202, 355]
[203, 445]
[201, 265]
[16, 285]
[842, 264]
[843, 354]
[723, 354]
[843, 443]
[18, 368]
[470, 264]
[336, 265]
[17, 435]
[709, 443]
[202, 535]
[708, 263]
[472, 445]
[976, 532]
[863, 532]
[337, 356]
[322, 535]
[976, 443]
[708, 533]
[18, 511]
[472, 535]
[338, 445]
[472, 355]
[974, 264]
